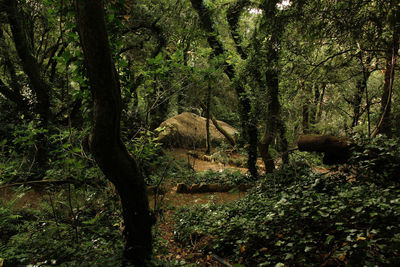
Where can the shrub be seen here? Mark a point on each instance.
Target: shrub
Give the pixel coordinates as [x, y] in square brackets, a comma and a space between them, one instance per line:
[316, 219]
[377, 159]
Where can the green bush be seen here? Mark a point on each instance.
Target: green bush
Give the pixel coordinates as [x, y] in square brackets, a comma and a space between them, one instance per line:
[82, 231]
[377, 158]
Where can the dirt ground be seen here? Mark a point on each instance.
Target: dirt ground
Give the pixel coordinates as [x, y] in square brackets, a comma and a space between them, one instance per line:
[202, 165]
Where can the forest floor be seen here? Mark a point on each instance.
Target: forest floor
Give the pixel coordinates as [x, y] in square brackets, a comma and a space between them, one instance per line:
[172, 251]
[165, 227]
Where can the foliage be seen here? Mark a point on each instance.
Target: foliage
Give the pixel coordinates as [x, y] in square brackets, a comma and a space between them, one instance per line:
[164, 65]
[377, 159]
[69, 229]
[18, 151]
[226, 176]
[314, 219]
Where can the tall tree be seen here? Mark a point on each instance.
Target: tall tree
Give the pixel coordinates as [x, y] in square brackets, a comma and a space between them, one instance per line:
[248, 127]
[105, 141]
[268, 42]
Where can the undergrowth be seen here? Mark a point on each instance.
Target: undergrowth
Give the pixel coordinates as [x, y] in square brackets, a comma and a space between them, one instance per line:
[225, 177]
[81, 229]
[297, 217]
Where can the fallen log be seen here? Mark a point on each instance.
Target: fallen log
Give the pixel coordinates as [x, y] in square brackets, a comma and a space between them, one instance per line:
[336, 150]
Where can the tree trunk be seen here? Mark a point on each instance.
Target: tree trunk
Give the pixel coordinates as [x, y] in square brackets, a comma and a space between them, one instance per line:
[274, 124]
[37, 83]
[208, 105]
[13, 91]
[321, 101]
[105, 143]
[361, 87]
[314, 108]
[185, 83]
[306, 106]
[385, 124]
[228, 137]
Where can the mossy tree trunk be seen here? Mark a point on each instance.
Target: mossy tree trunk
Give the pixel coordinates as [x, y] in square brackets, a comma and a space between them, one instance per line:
[272, 27]
[249, 129]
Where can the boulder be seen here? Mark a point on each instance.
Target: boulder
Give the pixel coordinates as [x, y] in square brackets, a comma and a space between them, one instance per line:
[188, 130]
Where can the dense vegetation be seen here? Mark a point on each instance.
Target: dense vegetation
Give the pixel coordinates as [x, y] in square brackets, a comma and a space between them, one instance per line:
[84, 86]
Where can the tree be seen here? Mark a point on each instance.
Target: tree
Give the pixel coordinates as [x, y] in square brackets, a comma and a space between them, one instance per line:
[248, 127]
[37, 83]
[105, 141]
[391, 53]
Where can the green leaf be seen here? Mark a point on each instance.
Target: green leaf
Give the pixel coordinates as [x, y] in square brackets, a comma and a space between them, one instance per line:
[307, 249]
[329, 239]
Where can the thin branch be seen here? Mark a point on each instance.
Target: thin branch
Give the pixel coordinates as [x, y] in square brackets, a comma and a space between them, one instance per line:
[327, 59]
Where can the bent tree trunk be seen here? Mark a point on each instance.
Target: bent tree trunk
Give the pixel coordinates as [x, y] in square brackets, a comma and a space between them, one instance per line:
[105, 143]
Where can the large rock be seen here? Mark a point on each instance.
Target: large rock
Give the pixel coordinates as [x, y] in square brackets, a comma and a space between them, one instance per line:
[188, 130]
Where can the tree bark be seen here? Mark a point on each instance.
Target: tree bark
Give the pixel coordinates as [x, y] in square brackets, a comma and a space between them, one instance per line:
[15, 97]
[314, 107]
[185, 83]
[105, 142]
[208, 105]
